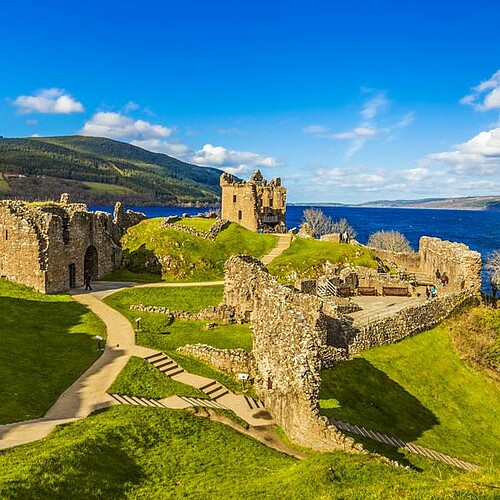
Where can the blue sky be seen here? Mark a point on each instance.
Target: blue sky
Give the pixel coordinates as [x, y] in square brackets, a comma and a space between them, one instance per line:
[347, 102]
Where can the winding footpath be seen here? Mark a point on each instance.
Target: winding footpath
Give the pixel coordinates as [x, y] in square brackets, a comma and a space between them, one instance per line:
[88, 393]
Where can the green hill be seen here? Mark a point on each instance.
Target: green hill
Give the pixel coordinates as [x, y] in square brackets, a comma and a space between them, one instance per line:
[97, 170]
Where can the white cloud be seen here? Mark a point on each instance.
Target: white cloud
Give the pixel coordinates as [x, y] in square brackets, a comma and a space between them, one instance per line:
[478, 156]
[315, 130]
[356, 133]
[373, 106]
[50, 101]
[130, 106]
[119, 126]
[239, 162]
[368, 129]
[486, 95]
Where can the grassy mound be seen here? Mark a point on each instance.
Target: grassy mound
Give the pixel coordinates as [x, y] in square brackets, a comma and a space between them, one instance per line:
[198, 223]
[306, 258]
[128, 452]
[419, 390]
[178, 255]
[47, 343]
[139, 378]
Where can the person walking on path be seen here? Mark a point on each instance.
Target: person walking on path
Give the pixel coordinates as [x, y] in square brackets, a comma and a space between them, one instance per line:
[87, 277]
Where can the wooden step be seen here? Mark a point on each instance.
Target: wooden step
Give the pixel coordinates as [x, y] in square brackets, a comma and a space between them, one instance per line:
[153, 356]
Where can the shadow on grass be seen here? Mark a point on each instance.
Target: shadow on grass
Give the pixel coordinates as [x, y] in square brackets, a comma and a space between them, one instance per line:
[44, 349]
[357, 392]
[141, 260]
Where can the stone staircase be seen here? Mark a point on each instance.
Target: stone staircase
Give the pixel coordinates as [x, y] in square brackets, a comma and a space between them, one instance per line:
[398, 443]
[284, 241]
[137, 401]
[165, 364]
[253, 404]
[205, 403]
[214, 390]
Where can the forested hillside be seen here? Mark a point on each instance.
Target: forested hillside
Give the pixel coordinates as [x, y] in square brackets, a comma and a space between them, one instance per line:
[100, 171]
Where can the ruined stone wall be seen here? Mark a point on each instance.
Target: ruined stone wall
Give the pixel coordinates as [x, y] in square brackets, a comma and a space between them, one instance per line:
[256, 204]
[231, 361]
[69, 236]
[290, 330]
[406, 261]
[22, 245]
[409, 321]
[43, 244]
[463, 266]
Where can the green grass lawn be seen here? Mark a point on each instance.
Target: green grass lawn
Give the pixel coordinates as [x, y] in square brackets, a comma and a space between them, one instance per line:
[198, 223]
[306, 258]
[127, 275]
[419, 390]
[187, 257]
[47, 343]
[157, 333]
[135, 452]
[139, 378]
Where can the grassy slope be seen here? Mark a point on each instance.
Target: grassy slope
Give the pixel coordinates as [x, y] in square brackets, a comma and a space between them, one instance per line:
[419, 390]
[47, 342]
[306, 258]
[128, 452]
[191, 258]
[180, 332]
[139, 378]
[197, 223]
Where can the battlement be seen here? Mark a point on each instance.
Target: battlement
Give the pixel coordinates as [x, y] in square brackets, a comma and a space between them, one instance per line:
[256, 204]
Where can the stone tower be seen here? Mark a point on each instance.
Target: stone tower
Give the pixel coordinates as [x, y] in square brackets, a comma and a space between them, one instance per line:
[257, 204]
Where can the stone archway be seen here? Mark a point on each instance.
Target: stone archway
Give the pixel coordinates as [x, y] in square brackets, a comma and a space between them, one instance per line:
[91, 262]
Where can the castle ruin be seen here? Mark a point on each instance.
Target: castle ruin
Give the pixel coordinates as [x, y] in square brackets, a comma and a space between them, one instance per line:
[50, 246]
[257, 204]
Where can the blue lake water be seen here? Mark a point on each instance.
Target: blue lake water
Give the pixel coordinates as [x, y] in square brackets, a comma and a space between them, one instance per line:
[478, 229]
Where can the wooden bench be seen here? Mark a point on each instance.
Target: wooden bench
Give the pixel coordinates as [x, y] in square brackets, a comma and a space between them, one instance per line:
[367, 290]
[396, 291]
[344, 291]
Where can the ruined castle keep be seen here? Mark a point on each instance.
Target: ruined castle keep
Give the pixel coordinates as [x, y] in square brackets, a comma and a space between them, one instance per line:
[50, 246]
[257, 204]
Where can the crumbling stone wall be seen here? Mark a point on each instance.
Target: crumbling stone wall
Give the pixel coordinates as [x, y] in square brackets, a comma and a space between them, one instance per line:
[44, 245]
[258, 205]
[462, 265]
[406, 322]
[231, 361]
[222, 314]
[214, 231]
[290, 329]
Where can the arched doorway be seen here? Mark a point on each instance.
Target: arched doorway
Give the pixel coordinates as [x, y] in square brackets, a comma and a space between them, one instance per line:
[91, 263]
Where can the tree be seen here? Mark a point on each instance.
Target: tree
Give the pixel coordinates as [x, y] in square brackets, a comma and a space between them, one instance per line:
[343, 226]
[319, 223]
[393, 241]
[493, 268]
